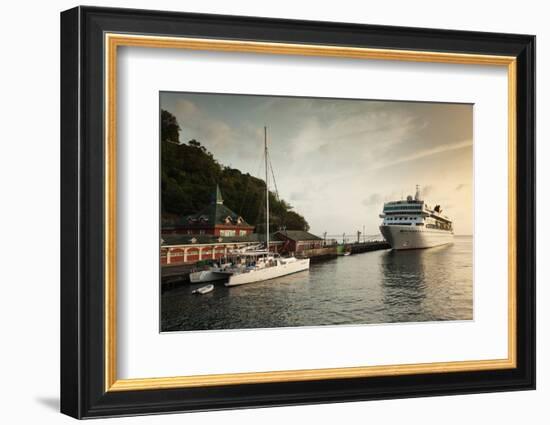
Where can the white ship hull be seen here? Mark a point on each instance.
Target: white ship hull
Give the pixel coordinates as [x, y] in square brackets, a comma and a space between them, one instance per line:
[266, 273]
[206, 276]
[415, 237]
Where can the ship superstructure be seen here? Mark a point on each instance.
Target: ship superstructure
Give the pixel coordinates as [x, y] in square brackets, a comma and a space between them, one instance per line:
[413, 224]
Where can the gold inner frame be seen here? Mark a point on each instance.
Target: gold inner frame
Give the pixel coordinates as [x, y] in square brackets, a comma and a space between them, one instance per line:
[113, 41]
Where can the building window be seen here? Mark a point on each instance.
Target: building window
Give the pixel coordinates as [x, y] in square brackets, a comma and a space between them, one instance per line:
[242, 232]
[201, 232]
[226, 232]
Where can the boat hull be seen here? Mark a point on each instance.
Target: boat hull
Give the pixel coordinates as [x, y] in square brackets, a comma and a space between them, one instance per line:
[415, 237]
[206, 276]
[268, 273]
[204, 290]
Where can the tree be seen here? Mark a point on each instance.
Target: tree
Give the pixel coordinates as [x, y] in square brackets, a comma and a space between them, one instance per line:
[189, 174]
[170, 129]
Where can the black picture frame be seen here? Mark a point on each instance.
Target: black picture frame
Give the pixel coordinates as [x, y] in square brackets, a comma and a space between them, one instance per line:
[83, 392]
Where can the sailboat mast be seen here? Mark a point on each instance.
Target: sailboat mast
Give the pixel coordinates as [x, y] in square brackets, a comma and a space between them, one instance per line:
[266, 191]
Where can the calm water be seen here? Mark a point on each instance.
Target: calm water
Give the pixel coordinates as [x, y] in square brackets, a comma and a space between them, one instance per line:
[374, 287]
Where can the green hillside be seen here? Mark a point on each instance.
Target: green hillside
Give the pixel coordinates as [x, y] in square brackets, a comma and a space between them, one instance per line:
[190, 174]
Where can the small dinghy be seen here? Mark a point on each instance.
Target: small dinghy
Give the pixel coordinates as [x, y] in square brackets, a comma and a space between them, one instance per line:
[203, 290]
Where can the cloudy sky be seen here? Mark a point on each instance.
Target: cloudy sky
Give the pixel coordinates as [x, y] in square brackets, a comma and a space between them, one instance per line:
[338, 160]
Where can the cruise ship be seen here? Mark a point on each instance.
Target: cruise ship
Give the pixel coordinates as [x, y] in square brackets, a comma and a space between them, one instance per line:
[412, 224]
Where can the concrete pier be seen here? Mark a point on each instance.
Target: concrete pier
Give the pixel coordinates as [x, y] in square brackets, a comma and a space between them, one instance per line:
[173, 276]
[359, 247]
[319, 254]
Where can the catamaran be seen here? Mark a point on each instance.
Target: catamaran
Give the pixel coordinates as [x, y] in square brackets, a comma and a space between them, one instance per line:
[261, 264]
[215, 272]
[412, 224]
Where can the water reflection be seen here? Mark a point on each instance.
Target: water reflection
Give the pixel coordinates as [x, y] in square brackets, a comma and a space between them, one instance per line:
[376, 287]
[403, 284]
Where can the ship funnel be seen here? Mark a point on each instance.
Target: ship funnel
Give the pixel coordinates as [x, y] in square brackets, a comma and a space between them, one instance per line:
[417, 194]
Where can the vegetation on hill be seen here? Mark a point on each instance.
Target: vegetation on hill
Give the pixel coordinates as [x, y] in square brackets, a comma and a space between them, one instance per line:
[189, 174]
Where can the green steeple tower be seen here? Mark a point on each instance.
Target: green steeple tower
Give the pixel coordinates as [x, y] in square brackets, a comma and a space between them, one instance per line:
[217, 197]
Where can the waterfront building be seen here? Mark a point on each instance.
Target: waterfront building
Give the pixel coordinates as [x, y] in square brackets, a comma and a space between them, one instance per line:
[216, 231]
[178, 249]
[215, 219]
[298, 241]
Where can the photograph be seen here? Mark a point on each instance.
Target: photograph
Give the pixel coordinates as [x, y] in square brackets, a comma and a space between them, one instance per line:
[281, 211]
